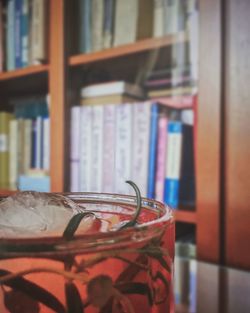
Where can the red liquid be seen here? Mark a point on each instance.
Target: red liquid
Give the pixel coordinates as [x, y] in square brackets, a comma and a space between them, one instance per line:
[120, 277]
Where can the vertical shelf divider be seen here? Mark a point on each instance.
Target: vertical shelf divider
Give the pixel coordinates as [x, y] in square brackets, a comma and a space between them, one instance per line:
[57, 88]
[208, 165]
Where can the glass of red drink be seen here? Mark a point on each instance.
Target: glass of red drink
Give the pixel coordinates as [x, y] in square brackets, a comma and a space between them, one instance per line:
[101, 267]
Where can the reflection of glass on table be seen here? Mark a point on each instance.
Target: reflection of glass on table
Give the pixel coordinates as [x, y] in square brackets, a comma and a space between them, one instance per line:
[101, 269]
[208, 288]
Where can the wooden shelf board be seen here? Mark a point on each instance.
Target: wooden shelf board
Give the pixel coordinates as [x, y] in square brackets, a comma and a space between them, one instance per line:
[185, 216]
[6, 192]
[139, 46]
[34, 69]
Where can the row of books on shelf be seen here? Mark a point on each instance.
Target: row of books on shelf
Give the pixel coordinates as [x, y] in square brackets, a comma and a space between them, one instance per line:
[24, 141]
[23, 33]
[107, 23]
[113, 140]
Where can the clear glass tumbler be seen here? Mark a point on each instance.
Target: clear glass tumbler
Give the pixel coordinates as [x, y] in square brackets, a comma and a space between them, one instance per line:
[106, 269]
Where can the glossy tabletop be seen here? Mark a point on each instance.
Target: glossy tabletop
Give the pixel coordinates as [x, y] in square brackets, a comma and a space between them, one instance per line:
[205, 288]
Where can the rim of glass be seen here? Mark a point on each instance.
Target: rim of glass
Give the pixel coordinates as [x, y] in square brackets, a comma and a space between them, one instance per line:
[97, 241]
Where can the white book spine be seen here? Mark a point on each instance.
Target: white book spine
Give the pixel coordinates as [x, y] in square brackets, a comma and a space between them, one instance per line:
[141, 134]
[97, 24]
[85, 148]
[75, 121]
[97, 148]
[38, 161]
[27, 144]
[38, 29]
[125, 32]
[46, 144]
[13, 150]
[173, 154]
[124, 125]
[75, 133]
[109, 122]
[171, 17]
[159, 17]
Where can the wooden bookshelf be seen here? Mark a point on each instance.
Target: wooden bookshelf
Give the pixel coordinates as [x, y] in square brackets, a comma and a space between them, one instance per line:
[23, 72]
[125, 50]
[217, 176]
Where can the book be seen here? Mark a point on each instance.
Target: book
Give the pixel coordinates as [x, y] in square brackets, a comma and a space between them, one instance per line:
[39, 142]
[75, 121]
[123, 148]
[171, 24]
[18, 34]
[167, 82]
[46, 144]
[108, 23]
[111, 88]
[20, 146]
[5, 119]
[160, 7]
[85, 26]
[33, 143]
[109, 131]
[193, 285]
[173, 163]
[161, 157]
[27, 144]
[30, 107]
[97, 24]
[2, 35]
[97, 149]
[86, 148]
[10, 44]
[187, 170]
[13, 154]
[140, 143]
[133, 21]
[109, 99]
[39, 31]
[25, 33]
[152, 150]
[27, 182]
[172, 91]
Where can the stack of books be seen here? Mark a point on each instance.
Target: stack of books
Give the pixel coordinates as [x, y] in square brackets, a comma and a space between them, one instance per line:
[26, 145]
[144, 141]
[23, 33]
[162, 84]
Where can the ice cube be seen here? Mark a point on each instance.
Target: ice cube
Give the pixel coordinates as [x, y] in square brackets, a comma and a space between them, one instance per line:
[33, 214]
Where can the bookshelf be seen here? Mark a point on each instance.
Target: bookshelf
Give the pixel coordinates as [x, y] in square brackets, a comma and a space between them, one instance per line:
[63, 72]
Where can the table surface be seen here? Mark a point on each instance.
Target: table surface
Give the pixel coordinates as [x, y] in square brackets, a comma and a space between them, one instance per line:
[206, 288]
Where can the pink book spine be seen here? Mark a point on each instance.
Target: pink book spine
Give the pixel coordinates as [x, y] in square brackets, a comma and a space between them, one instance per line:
[161, 158]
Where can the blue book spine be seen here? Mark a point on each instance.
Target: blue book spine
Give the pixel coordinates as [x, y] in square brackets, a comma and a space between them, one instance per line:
[41, 184]
[152, 150]
[173, 164]
[85, 26]
[24, 32]
[10, 53]
[33, 143]
[17, 27]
